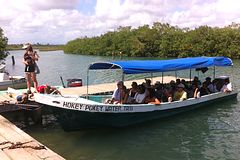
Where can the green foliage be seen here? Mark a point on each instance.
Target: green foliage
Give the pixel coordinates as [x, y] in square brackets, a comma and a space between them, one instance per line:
[161, 40]
[41, 47]
[3, 45]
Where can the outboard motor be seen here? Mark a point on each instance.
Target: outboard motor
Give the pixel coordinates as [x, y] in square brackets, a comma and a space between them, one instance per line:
[75, 82]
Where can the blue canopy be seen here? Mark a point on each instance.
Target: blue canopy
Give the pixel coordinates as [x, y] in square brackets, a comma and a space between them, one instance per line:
[151, 66]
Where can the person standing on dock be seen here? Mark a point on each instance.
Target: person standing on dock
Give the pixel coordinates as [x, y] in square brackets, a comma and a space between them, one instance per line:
[29, 61]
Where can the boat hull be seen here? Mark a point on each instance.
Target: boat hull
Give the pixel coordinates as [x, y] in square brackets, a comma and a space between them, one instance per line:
[71, 120]
[16, 83]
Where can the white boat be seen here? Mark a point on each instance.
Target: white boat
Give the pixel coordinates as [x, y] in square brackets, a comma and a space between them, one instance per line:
[16, 82]
[2, 67]
[75, 113]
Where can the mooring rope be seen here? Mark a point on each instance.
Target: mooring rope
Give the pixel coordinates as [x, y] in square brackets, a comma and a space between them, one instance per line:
[21, 145]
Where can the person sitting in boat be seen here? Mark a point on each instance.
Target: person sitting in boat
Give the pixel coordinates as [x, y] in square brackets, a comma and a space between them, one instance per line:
[168, 94]
[46, 89]
[204, 89]
[178, 81]
[140, 96]
[133, 90]
[116, 97]
[124, 96]
[212, 88]
[151, 98]
[196, 80]
[173, 85]
[158, 87]
[167, 91]
[186, 85]
[180, 94]
[149, 89]
[194, 91]
[227, 87]
[148, 83]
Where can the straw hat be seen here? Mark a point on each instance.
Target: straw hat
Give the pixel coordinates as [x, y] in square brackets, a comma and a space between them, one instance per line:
[25, 46]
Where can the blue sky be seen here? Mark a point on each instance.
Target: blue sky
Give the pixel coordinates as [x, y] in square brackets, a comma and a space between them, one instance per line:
[86, 7]
[57, 22]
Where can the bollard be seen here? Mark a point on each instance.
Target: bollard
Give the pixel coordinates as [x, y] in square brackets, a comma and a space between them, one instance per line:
[13, 60]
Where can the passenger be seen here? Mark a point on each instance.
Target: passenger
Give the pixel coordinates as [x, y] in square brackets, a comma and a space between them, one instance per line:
[180, 94]
[204, 89]
[148, 83]
[149, 88]
[158, 87]
[140, 96]
[214, 83]
[116, 97]
[46, 89]
[168, 94]
[151, 98]
[178, 81]
[186, 86]
[219, 84]
[183, 81]
[173, 85]
[194, 91]
[227, 87]
[197, 81]
[125, 99]
[212, 88]
[133, 90]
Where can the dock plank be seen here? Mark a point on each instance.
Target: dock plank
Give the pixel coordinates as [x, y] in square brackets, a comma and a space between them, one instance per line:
[9, 132]
[106, 87]
[3, 156]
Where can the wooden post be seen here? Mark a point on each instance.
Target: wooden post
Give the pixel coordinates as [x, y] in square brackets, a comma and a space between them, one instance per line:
[13, 60]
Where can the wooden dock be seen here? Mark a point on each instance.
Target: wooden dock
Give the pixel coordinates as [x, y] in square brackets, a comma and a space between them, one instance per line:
[16, 144]
[107, 87]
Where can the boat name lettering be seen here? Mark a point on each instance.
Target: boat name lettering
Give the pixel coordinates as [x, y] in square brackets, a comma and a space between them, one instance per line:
[98, 108]
[128, 108]
[73, 105]
[93, 108]
[113, 108]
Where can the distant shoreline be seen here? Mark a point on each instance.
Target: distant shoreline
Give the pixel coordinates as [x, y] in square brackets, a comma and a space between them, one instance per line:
[13, 47]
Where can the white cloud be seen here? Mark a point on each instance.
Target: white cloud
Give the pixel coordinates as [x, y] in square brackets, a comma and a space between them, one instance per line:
[54, 21]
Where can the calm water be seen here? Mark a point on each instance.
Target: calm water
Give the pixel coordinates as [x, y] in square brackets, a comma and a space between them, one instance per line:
[210, 133]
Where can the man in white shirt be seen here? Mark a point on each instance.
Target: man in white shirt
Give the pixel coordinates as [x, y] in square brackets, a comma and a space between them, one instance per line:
[116, 97]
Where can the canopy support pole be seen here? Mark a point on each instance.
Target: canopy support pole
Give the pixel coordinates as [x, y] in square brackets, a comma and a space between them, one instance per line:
[87, 81]
[190, 75]
[123, 77]
[152, 77]
[214, 72]
[162, 77]
[175, 75]
[232, 79]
